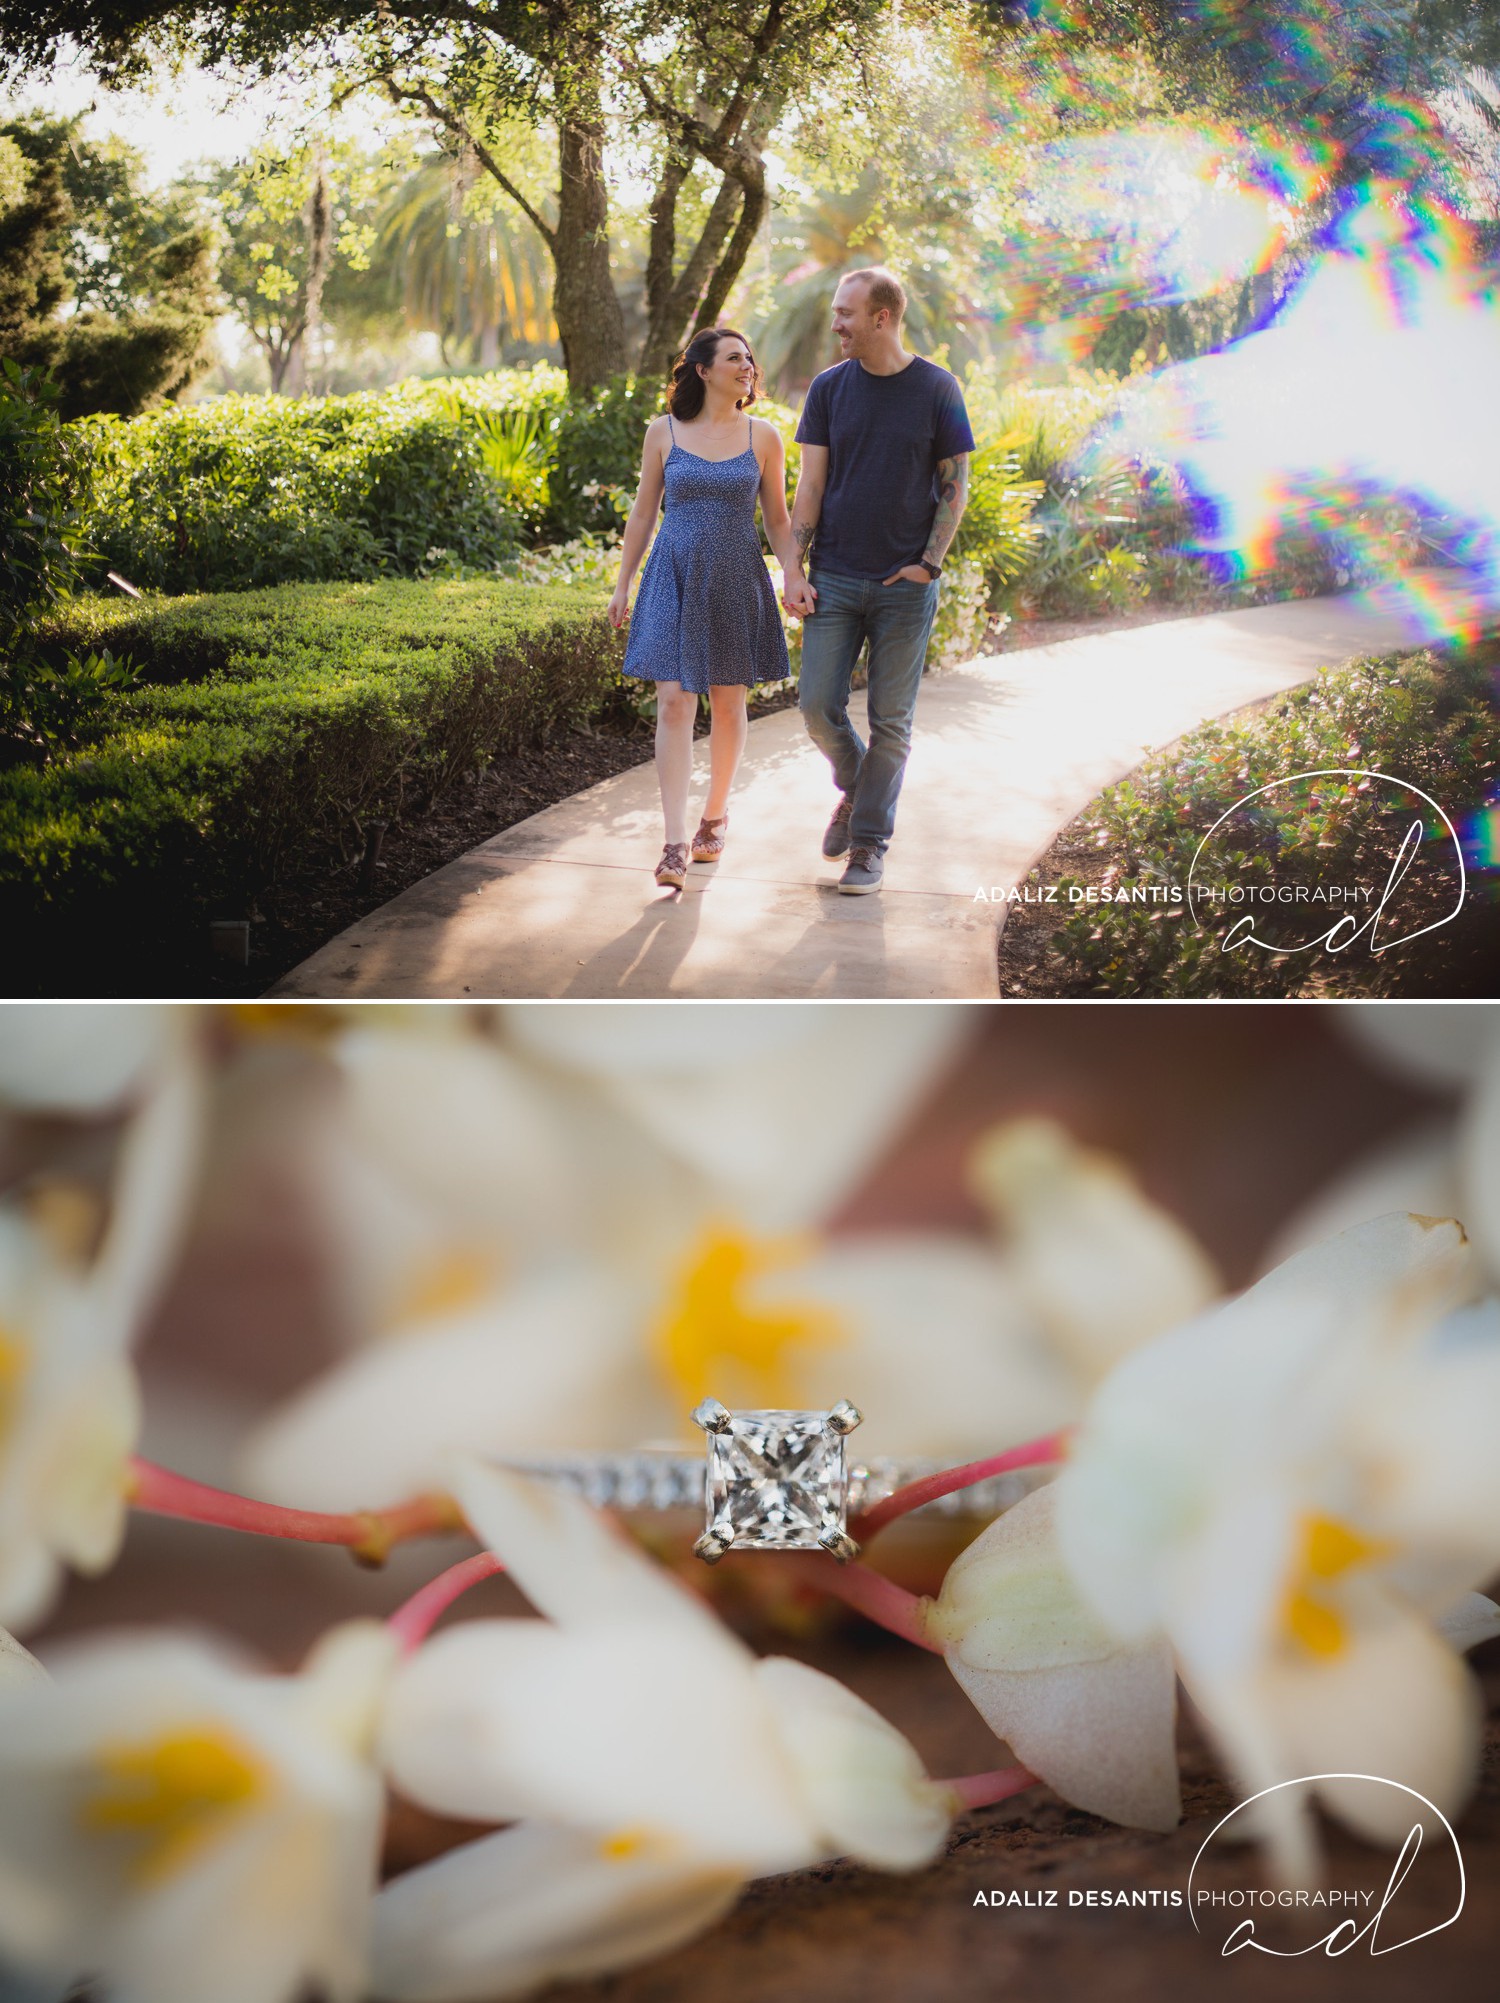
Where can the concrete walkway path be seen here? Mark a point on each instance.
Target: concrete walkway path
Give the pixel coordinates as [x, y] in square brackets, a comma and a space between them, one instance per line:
[1007, 750]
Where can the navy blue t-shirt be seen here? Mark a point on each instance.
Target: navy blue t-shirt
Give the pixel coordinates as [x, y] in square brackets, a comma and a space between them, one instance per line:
[885, 436]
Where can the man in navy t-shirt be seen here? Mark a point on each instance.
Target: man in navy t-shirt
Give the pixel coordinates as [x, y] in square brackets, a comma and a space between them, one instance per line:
[885, 467]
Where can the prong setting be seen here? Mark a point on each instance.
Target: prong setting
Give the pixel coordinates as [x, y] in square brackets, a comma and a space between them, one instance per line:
[776, 1481]
[839, 1544]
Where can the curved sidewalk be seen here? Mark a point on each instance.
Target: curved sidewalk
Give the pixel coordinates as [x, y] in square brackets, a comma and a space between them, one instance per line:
[1007, 750]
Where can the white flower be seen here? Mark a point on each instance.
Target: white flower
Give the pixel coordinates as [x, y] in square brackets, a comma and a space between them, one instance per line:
[1294, 1490]
[654, 1764]
[1445, 1164]
[82, 1057]
[186, 1828]
[16, 1661]
[136, 1063]
[69, 1416]
[781, 1109]
[1092, 1714]
[931, 1333]
[77, 1280]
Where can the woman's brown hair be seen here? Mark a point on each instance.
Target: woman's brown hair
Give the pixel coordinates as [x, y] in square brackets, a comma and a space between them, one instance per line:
[685, 397]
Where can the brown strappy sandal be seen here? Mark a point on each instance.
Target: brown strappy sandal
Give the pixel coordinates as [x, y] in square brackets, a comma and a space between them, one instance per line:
[671, 871]
[708, 843]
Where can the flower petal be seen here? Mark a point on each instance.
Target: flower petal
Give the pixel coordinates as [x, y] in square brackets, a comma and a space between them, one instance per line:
[1418, 1171]
[17, 1664]
[547, 1364]
[757, 1101]
[573, 1562]
[79, 1059]
[983, 1350]
[532, 1905]
[867, 1792]
[602, 1727]
[1093, 1715]
[1469, 1621]
[1102, 1267]
[1394, 1703]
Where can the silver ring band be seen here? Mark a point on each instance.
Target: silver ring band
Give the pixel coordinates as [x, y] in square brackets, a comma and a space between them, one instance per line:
[660, 1479]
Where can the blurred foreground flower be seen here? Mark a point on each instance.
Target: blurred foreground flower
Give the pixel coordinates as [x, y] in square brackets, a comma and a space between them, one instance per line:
[953, 1347]
[1446, 1164]
[1294, 1490]
[79, 1271]
[655, 1764]
[186, 1828]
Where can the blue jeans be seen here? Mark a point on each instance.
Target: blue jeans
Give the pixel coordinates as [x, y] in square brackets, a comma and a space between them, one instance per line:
[896, 620]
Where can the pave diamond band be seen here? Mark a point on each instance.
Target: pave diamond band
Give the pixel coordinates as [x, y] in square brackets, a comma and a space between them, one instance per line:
[773, 1481]
[655, 1480]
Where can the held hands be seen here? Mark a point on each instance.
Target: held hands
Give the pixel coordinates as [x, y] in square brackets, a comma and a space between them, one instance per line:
[619, 606]
[798, 596]
[912, 571]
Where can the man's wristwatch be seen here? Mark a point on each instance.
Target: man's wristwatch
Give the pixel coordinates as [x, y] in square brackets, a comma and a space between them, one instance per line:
[932, 569]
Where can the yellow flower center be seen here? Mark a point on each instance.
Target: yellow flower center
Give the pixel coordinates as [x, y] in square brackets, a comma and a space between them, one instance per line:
[288, 1022]
[451, 1281]
[14, 1360]
[1329, 1550]
[170, 1796]
[714, 1341]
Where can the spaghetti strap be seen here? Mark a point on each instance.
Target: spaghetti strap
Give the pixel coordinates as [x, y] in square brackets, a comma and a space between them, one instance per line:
[750, 429]
[669, 427]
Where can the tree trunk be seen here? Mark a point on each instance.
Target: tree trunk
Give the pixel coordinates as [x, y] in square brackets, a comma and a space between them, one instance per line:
[673, 315]
[319, 249]
[732, 263]
[590, 324]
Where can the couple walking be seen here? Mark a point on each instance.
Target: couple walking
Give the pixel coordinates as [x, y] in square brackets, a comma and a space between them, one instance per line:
[885, 442]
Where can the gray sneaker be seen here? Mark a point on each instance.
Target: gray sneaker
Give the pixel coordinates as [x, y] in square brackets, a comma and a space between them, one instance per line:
[836, 834]
[862, 873]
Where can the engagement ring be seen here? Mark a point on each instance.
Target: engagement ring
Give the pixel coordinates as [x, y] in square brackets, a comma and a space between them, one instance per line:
[772, 1481]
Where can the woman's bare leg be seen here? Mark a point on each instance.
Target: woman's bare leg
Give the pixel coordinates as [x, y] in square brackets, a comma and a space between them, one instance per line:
[676, 708]
[726, 745]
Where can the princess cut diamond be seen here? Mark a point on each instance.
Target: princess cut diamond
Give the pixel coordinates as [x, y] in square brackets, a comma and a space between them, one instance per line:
[777, 1481]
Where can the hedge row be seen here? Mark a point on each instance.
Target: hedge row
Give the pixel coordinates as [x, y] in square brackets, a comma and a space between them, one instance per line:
[248, 491]
[276, 724]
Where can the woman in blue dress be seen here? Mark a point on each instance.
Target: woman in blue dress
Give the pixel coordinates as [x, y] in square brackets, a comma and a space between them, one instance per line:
[706, 618]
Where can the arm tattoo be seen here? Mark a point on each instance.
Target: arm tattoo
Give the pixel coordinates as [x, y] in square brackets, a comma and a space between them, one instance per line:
[804, 532]
[953, 494]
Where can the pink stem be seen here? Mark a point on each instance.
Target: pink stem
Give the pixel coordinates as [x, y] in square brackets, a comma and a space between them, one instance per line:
[369, 1533]
[879, 1599]
[415, 1618]
[1036, 1453]
[979, 1790]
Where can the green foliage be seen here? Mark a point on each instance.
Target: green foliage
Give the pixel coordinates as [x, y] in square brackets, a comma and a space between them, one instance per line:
[137, 270]
[1430, 720]
[996, 531]
[267, 727]
[250, 491]
[513, 445]
[49, 707]
[41, 554]
[596, 455]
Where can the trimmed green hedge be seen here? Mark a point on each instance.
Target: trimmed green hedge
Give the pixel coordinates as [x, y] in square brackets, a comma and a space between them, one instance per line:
[247, 491]
[273, 725]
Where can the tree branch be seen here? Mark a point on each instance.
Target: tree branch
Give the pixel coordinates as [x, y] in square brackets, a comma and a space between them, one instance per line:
[451, 122]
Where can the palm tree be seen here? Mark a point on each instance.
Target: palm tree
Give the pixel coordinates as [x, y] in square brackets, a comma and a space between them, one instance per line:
[832, 234]
[480, 284]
